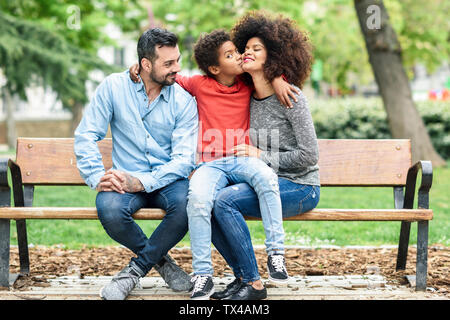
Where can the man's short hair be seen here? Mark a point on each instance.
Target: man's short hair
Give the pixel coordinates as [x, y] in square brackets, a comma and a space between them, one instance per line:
[146, 47]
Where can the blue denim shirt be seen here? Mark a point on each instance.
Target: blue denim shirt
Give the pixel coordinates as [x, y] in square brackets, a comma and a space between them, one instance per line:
[155, 143]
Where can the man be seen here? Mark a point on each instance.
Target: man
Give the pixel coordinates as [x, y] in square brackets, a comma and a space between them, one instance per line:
[154, 127]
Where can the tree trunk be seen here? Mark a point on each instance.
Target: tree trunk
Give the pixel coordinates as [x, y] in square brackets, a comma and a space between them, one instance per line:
[77, 114]
[385, 56]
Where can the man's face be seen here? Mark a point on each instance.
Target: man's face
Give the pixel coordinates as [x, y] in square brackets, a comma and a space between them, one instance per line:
[166, 65]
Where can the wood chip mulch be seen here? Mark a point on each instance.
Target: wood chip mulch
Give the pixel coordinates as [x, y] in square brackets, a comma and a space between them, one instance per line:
[106, 261]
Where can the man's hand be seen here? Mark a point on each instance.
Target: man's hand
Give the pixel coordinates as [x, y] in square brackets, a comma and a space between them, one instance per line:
[283, 91]
[134, 72]
[119, 181]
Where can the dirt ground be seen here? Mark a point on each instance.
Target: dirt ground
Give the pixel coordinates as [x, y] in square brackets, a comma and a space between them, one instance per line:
[54, 261]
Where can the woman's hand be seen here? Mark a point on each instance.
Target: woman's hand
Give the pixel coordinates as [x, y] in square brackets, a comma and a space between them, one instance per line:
[245, 150]
[284, 91]
[134, 72]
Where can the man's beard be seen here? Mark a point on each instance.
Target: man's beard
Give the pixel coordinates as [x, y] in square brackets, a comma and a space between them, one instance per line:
[166, 80]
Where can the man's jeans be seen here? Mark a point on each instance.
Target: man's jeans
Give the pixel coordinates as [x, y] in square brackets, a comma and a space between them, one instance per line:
[236, 201]
[115, 210]
[208, 180]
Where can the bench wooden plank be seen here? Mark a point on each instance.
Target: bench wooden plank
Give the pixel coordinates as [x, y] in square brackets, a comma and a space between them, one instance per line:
[52, 161]
[342, 162]
[157, 214]
[347, 162]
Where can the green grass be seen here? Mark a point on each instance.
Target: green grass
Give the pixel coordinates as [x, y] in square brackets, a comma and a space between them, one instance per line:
[79, 233]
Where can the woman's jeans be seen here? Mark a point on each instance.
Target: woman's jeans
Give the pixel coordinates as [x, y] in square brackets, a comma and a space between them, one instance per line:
[208, 180]
[236, 201]
[115, 210]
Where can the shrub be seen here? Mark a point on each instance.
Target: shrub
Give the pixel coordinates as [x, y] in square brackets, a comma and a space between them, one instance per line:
[365, 118]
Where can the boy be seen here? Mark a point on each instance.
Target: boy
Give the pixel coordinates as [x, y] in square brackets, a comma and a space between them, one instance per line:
[223, 105]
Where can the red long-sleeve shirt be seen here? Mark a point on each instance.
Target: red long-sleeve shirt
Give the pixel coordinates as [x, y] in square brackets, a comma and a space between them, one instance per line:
[224, 114]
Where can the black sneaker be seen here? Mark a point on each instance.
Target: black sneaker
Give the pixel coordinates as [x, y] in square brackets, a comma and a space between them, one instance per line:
[247, 292]
[230, 289]
[203, 287]
[277, 268]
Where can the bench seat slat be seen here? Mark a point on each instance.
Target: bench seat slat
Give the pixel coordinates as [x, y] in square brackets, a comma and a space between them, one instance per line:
[157, 214]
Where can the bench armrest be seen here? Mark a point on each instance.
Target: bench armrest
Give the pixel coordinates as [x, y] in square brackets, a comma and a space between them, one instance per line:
[17, 185]
[425, 185]
[5, 191]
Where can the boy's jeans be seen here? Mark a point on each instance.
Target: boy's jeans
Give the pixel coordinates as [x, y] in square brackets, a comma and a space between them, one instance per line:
[234, 202]
[208, 180]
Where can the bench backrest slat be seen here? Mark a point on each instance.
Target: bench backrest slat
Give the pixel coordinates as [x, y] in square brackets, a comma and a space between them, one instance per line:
[342, 162]
[347, 162]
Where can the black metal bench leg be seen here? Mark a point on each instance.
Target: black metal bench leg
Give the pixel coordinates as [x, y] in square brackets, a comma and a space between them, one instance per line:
[23, 246]
[422, 255]
[22, 239]
[4, 252]
[402, 253]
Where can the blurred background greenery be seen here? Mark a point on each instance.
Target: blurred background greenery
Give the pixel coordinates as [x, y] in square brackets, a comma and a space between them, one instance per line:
[60, 45]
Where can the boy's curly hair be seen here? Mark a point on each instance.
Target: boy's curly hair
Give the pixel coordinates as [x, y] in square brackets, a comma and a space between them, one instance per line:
[289, 51]
[206, 49]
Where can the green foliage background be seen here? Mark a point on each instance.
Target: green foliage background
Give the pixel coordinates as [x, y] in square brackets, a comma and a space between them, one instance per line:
[422, 26]
[37, 46]
[365, 118]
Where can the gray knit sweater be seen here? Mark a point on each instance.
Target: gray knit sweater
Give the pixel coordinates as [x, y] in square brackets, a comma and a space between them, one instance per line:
[286, 137]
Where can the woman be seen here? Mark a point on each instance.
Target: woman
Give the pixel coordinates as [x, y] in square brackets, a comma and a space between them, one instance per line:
[283, 138]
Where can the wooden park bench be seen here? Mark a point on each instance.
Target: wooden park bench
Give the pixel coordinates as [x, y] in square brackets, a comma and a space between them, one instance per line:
[343, 163]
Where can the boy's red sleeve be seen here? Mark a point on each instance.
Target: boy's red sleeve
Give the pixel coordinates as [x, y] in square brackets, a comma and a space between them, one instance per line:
[187, 83]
